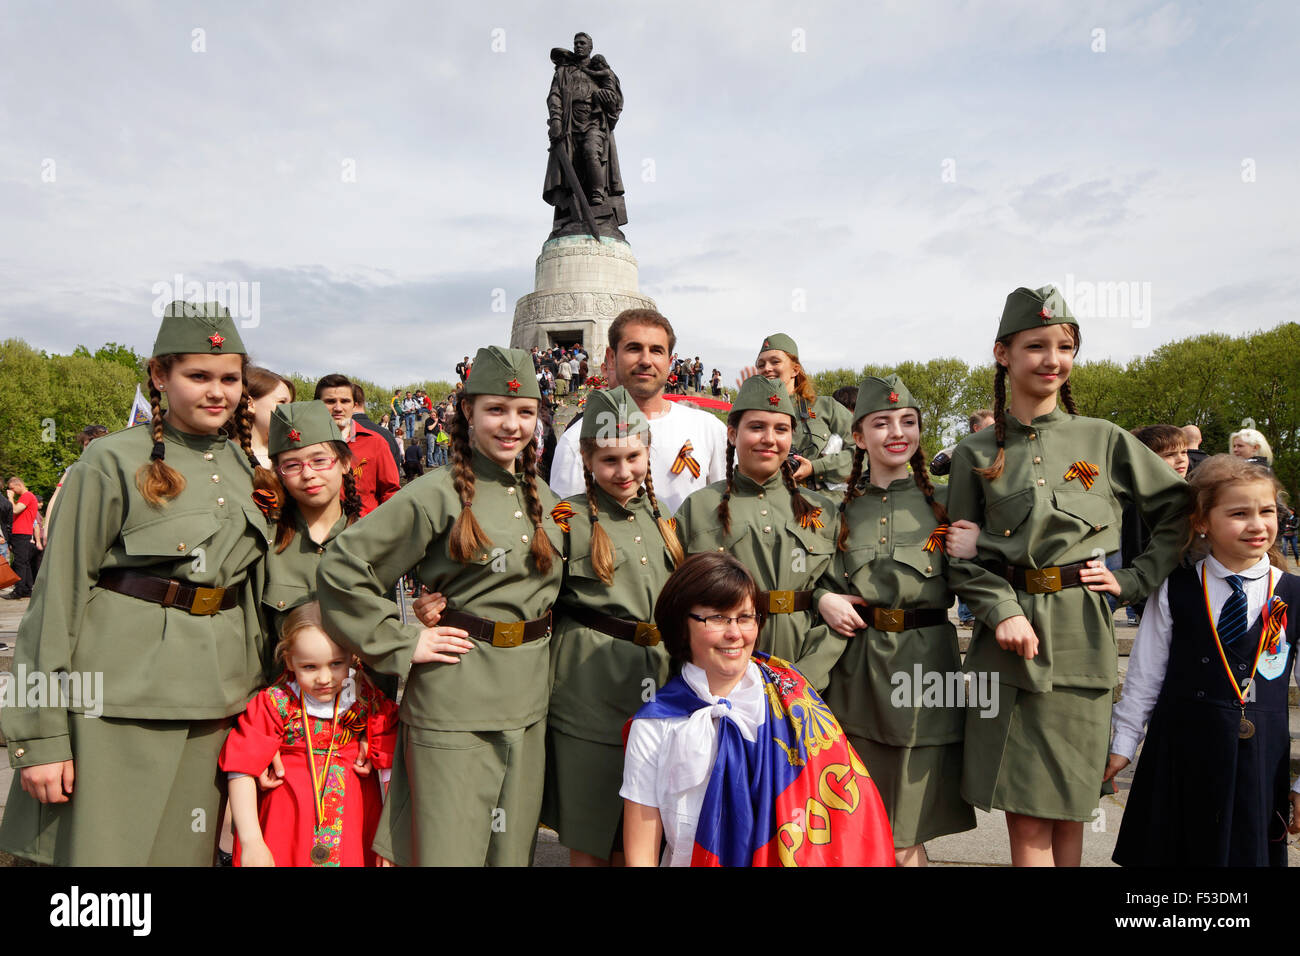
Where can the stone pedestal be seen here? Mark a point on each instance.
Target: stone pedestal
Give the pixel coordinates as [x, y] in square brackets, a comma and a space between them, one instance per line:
[581, 285]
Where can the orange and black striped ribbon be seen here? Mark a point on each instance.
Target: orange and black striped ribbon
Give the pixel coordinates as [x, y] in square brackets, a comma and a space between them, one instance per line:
[935, 540]
[562, 513]
[684, 460]
[1084, 471]
[812, 519]
[1274, 624]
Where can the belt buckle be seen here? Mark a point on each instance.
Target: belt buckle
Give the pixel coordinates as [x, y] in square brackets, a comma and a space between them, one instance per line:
[889, 619]
[207, 600]
[509, 634]
[647, 635]
[780, 602]
[1042, 580]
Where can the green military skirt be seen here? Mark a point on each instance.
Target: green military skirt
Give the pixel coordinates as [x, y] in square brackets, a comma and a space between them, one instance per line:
[920, 787]
[581, 802]
[145, 793]
[463, 798]
[1041, 755]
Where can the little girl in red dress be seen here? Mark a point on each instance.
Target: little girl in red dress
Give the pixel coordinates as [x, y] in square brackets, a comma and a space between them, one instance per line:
[327, 807]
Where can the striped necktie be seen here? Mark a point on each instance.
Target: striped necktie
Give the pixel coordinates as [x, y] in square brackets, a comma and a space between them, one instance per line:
[1232, 617]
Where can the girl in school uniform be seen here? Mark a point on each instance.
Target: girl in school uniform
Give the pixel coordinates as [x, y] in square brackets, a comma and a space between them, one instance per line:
[890, 556]
[1048, 487]
[335, 734]
[470, 763]
[153, 581]
[606, 655]
[783, 534]
[1208, 681]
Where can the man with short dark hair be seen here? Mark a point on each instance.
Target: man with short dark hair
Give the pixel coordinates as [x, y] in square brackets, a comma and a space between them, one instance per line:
[20, 542]
[373, 465]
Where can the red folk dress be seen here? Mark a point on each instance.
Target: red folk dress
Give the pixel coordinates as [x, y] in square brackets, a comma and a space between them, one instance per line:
[273, 721]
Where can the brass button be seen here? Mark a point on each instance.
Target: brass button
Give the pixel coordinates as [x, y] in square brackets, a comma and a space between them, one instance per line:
[1032, 436]
[1042, 481]
[216, 477]
[20, 752]
[221, 501]
[320, 550]
[884, 497]
[882, 540]
[207, 456]
[644, 560]
[280, 605]
[181, 546]
[631, 517]
[884, 520]
[519, 514]
[1096, 527]
[760, 494]
[767, 529]
[928, 569]
[1038, 459]
[637, 539]
[510, 490]
[1007, 533]
[719, 549]
[763, 512]
[523, 538]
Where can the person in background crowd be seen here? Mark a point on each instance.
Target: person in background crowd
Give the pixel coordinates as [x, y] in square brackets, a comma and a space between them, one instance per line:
[716, 383]
[266, 389]
[408, 414]
[1290, 522]
[84, 438]
[462, 370]
[431, 427]
[20, 540]
[6, 525]
[414, 460]
[1170, 443]
[1250, 444]
[847, 395]
[979, 419]
[1194, 454]
[374, 462]
[563, 377]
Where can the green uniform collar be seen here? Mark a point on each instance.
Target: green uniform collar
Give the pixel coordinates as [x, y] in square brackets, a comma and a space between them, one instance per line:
[742, 482]
[605, 502]
[1053, 417]
[196, 442]
[893, 488]
[486, 468]
[301, 523]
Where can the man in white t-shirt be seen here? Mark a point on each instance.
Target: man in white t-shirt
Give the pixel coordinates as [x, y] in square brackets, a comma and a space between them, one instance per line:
[640, 343]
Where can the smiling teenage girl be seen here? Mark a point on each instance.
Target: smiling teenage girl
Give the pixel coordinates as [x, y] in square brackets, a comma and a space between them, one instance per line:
[1048, 487]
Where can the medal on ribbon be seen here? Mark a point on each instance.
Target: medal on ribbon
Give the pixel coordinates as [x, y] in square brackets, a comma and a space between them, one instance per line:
[1246, 729]
[320, 851]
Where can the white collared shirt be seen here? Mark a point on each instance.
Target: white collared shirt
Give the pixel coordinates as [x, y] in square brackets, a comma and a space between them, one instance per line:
[668, 761]
[1149, 659]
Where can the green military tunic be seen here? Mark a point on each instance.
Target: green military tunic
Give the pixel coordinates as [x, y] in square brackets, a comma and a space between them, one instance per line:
[911, 743]
[780, 554]
[814, 426]
[469, 769]
[1045, 753]
[601, 681]
[171, 679]
[291, 579]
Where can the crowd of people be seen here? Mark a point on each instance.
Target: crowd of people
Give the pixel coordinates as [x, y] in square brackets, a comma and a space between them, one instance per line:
[669, 638]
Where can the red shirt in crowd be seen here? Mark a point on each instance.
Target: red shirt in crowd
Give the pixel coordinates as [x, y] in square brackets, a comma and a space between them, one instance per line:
[24, 522]
[373, 467]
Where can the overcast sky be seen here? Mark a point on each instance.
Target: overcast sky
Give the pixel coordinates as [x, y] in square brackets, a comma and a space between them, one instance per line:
[871, 178]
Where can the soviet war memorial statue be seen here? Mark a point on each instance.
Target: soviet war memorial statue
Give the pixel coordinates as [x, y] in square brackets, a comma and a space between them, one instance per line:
[582, 176]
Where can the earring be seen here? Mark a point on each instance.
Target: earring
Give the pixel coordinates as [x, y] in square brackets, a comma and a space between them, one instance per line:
[1202, 534]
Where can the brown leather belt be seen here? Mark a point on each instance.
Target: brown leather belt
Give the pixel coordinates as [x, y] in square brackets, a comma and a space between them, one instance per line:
[499, 633]
[1043, 580]
[169, 592]
[896, 619]
[785, 602]
[641, 633]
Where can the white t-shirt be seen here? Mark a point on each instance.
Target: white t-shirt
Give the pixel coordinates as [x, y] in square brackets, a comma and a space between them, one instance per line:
[668, 760]
[668, 433]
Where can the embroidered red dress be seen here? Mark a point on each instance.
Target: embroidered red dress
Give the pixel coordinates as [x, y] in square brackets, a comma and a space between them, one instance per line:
[352, 804]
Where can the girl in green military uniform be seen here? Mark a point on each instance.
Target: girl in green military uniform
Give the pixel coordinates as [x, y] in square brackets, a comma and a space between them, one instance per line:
[1048, 488]
[467, 778]
[890, 554]
[823, 432]
[606, 657]
[784, 535]
[153, 581]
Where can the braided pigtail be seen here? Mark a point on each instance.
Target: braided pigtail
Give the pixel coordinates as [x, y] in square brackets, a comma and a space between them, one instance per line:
[667, 527]
[1067, 398]
[798, 503]
[268, 493]
[158, 481]
[602, 549]
[351, 497]
[850, 492]
[921, 475]
[724, 506]
[541, 544]
[994, 470]
[467, 537]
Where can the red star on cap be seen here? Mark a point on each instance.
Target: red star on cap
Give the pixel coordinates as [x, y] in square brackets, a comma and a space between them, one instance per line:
[1045, 313]
[216, 340]
[766, 345]
[294, 434]
[893, 396]
[513, 385]
[774, 399]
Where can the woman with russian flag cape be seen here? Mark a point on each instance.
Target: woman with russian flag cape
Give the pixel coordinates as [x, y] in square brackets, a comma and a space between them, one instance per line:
[737, 761]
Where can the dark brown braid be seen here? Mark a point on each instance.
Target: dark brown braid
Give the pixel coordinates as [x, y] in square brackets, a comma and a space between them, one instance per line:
[666, 528]
[798, 503]
[467, 537]
[994, 470]
[921, 475]
[351, 497]
[850, 492]
[158, 481]
[541, 544]
[724, 506]
[1067, 399]
[602, 549]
